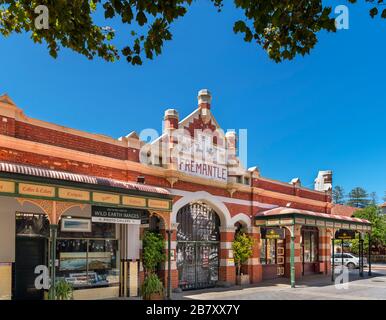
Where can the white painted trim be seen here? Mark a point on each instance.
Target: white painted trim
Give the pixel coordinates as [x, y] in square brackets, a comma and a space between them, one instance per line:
[243, 218]
[173, 245]
[183, 193]
[227, 263]
[206, 197]
[253, 261]
[225, 245]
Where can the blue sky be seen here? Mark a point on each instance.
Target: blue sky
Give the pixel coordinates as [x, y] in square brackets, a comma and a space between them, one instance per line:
[323, 111]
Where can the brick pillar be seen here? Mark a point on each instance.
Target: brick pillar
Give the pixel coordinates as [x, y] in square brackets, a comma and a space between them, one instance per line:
[255, 269]
[324, 251]
[298, 262]
[227, 272]
[164, 268]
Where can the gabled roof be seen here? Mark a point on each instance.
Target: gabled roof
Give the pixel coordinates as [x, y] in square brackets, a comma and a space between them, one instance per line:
[6, 99]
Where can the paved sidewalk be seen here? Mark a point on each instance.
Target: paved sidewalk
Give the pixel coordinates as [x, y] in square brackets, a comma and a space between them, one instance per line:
[318, 287]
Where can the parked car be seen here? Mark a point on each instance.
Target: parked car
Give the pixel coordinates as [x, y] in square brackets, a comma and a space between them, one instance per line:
[350, 260]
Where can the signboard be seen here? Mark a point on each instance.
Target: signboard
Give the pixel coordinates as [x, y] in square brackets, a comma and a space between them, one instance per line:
[134, 201]
[105, 197]
[200, 157]
[202, 169]
[343, 234]
[116, 215]
[272, 233]
[36, 190]
[7, 186]
[73, 194]
[158, 204]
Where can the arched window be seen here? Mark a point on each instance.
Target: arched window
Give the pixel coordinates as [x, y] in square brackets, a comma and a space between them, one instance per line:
[198, 222]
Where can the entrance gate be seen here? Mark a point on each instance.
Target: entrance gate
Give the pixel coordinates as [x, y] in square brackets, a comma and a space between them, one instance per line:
[198, 237]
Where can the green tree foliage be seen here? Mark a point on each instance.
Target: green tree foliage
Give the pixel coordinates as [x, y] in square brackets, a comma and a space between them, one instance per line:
[378, 225]
[153, 251]
[242, 249]
[373, 198]
[384, 197]
[358, 197]
[338, 195]
[283, 28]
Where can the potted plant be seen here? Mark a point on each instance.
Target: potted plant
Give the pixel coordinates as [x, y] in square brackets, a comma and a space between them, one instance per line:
[63, 290]
[153, 246]
[152, 288]
[242, 251]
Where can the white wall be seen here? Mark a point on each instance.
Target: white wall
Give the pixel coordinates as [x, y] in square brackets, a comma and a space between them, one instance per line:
[8, 208]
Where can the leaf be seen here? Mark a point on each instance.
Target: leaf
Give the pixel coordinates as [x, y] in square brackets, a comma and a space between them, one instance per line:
[373, 12]
[141, 18]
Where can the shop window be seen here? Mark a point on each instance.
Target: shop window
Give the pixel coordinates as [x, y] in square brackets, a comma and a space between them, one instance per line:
[310, 245]
[31, 224]
[88, 259]
[268, 249]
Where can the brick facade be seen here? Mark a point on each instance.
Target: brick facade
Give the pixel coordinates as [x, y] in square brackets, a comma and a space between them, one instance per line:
[119, 159]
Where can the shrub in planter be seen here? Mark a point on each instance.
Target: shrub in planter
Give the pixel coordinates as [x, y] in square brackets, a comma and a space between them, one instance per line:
[242, 251]
[152, 254]
[153, 246]
[63, 290]
[152, 288]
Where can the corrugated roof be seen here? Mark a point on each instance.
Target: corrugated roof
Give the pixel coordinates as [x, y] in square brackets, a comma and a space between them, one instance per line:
[342, 210]
[74, 177]
[283, 211]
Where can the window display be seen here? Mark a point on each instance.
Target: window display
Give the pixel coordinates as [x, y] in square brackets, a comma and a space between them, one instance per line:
[90, 261]
[310, 245]
[268, 249]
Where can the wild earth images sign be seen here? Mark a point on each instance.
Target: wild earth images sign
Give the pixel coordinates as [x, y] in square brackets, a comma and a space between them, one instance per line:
[116, 215]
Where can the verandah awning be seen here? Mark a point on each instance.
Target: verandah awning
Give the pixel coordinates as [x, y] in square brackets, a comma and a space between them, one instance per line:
[79, 178]
[285, 216]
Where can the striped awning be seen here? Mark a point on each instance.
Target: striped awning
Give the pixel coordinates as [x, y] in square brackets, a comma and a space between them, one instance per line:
[74, 177]
[280, 211]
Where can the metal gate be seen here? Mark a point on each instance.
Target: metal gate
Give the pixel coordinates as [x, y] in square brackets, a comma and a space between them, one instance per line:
[198, 246]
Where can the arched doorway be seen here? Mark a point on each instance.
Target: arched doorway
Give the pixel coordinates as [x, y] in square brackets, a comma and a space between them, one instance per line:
[309, 254]
[198, 245]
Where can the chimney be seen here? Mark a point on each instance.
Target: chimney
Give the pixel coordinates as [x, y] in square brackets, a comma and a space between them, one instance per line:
[323, 181]
[204, 101]
[171, 119]
[296, 182]
[231, 145]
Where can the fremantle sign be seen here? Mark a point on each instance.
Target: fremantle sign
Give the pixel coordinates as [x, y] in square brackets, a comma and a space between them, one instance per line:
[201, 169]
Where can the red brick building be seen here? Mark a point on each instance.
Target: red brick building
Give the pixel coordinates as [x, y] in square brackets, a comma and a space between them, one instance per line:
[63, 173]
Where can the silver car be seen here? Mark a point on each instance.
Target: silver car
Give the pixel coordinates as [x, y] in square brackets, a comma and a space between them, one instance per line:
[350, 260]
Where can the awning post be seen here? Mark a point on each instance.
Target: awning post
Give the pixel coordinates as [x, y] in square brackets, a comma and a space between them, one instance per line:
[169, 264]
[53, 236]
[341, 249]
[333, 260]
[292, 258]
[360, 255]
[369, 262]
